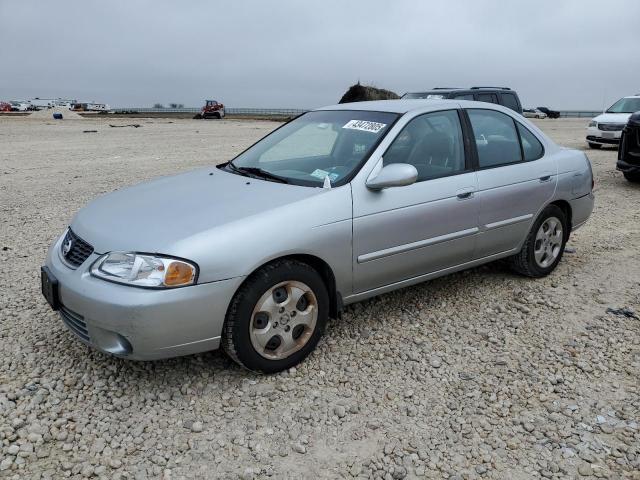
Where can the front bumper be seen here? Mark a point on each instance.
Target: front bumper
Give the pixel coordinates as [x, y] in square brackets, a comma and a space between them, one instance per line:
[595, 135]
[627, 167]
[137, 323]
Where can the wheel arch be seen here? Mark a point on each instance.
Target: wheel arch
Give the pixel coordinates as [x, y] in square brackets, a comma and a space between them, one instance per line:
[324, 270]
[566, 208]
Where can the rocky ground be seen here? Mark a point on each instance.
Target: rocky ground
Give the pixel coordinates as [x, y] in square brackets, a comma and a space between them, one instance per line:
[482, 374]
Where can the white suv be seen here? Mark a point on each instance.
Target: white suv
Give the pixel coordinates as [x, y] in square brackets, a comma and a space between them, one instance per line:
[605, 129]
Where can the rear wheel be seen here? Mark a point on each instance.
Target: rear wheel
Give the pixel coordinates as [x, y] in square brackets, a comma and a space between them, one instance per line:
[544, 246]
[595, 145]
[632, 177]
[277, 317]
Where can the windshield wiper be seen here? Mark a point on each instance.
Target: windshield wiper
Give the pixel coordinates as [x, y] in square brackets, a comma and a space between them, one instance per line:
[258, 172]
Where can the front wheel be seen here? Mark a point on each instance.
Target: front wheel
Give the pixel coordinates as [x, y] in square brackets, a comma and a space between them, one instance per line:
[544, 246]
[277, 317]
[632, 177]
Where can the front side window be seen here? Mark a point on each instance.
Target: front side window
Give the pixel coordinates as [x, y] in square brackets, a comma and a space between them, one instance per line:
[432, 143]
[316, 145]
[496, 138]
[466, 96]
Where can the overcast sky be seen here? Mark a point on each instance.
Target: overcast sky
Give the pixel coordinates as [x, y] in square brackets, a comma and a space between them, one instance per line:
[568, 54]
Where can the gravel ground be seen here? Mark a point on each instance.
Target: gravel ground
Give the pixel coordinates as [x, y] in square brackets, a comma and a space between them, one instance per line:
[482, 374]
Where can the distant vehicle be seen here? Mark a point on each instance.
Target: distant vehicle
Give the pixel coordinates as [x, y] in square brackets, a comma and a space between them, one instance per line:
[341, 204]
[533, 113]
[500, 95]
[606, 129]
[550, 113]
[629, 151]
[212, 109]
[78, 107]
[5, 107]
[19, 106]
[42, 103]
[97, 107]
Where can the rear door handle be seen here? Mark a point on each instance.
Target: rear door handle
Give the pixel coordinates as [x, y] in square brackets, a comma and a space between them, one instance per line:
[465, 193]
[545, 177]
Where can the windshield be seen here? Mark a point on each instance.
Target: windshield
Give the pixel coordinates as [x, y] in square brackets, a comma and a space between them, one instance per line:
[625, 105]
[332, 143]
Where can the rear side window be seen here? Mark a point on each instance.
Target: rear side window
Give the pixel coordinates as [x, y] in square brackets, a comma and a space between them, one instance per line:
[487, 97]
[496, 138]
[531, 146]
[509, 100]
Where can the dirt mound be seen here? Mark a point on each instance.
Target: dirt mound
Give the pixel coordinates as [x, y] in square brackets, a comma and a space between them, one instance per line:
[47, 114]
[363, 93]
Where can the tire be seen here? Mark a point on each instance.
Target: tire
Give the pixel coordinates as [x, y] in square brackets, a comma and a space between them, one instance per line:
[632, 177]
[248, 335]
[526, 262]
[597, 146]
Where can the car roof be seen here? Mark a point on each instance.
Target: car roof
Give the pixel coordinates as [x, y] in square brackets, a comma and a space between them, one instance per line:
[404, 106]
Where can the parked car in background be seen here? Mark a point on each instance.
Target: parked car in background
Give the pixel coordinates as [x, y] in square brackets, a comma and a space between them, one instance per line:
[533, 113]
[341, 204]
[42, 103]
[19, 106]
[97, 107]
[550, 113]
[629, 150]
[606, 129]
[499, 95]
[5, 107]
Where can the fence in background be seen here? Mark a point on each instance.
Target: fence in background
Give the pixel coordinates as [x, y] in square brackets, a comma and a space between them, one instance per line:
[267, 112]
[292, 112]
[579, 113]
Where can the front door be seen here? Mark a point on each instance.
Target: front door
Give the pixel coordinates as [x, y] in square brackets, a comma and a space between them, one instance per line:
[404, 232]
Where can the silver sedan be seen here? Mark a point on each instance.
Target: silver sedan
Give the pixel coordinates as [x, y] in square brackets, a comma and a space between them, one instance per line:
[341, 204]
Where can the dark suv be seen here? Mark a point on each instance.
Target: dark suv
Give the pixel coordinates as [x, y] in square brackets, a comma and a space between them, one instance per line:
[501, 95]
[629, 149]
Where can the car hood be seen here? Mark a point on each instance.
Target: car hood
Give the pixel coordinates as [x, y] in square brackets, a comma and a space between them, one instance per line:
[154, 216]
[612, 118]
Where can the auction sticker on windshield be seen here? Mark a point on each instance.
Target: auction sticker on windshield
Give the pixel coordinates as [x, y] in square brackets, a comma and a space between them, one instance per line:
[365, 126]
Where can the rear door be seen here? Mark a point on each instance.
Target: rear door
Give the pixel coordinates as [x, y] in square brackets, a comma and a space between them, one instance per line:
[404, 232]
[515, 180]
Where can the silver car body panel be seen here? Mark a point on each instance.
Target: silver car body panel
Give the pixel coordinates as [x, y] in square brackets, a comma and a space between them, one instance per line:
[372, 241]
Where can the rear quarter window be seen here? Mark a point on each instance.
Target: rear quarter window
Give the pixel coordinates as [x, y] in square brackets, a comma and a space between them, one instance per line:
[509, 100]
[531, 146]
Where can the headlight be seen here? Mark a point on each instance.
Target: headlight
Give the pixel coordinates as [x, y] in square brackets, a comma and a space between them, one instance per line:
[593, 123]
[142, 270]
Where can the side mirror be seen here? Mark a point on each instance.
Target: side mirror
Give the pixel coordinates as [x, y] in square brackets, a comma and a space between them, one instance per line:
[393, 175]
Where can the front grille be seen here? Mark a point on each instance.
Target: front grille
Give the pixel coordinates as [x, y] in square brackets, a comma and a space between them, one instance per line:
[611, 127]
[75, 322]
[75, 250]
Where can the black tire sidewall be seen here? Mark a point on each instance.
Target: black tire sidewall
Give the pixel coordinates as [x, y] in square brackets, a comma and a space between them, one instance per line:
[245, 301]
[549, 211]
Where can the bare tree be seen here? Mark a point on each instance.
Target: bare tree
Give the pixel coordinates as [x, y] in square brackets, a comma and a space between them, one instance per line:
[158, 105]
